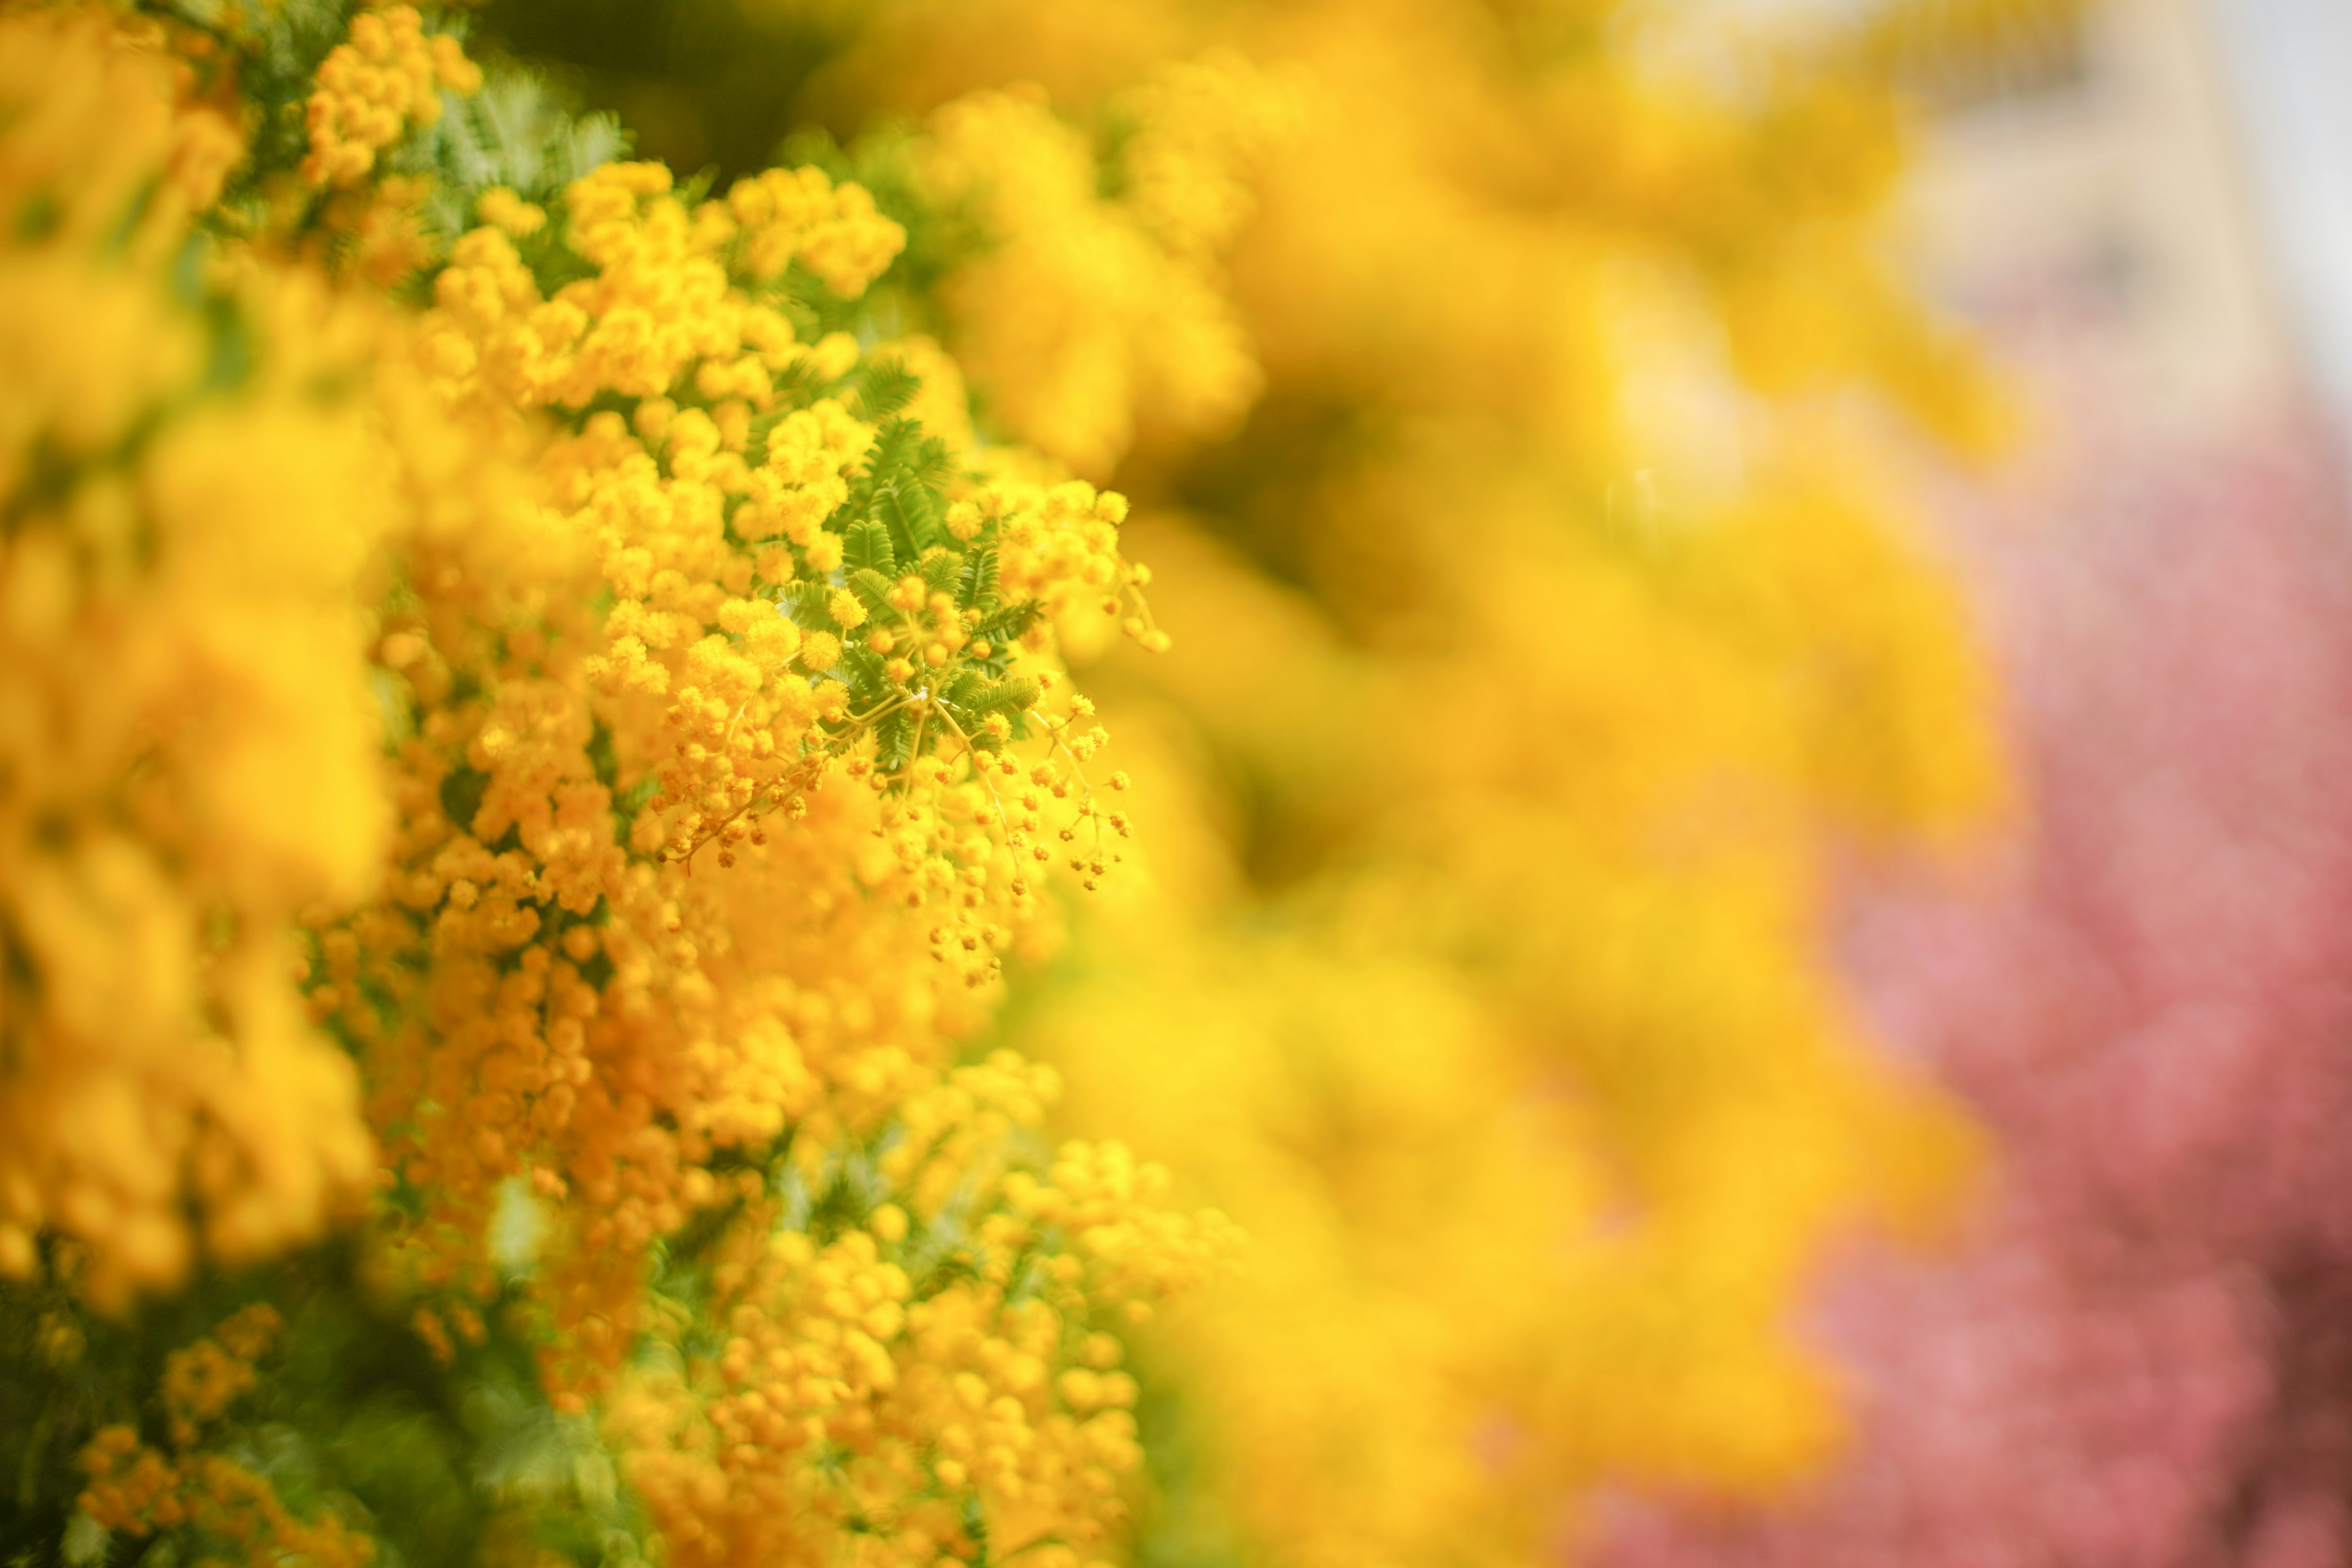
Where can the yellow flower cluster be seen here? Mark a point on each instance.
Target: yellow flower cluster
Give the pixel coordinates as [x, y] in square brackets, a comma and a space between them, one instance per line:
[138, 1489]
[798, 214]
[927, 1382]
[553, 995]
[1082, 313]
[659, 299]
[647, 746]
[203, 1380]
[373, 89]
[1060, 543]
[186, 736]
[1556, 637]
[592, 709]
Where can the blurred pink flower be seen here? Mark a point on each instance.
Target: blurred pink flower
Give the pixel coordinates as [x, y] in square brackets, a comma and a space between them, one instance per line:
[2143, 1358]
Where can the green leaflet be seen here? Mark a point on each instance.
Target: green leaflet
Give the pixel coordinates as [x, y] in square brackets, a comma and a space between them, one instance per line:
[873, 590]
[976, 586]
[880, 388]
[866, 547]
[942, 571]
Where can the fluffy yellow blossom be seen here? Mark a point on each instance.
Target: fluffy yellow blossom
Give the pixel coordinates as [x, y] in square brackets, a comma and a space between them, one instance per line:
[461, 692]
[105, 148]
[592, 688]
[1552, 635]
[659, 299]
[686, 890]
[201, 1380]
[372, 91]
[798, 214]
[945, 1363]
[137, 1488]
[503, 209]
[1082, 314]
[186, 734]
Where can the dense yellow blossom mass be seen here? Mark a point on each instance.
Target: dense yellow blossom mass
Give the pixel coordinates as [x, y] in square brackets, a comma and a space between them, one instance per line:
[186, 736]
[374, 89]
[537, 708]
[1084, 312]
[1554, 626]
[726, 756]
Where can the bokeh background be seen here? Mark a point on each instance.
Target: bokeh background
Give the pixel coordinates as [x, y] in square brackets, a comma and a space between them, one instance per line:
[2139, 1357]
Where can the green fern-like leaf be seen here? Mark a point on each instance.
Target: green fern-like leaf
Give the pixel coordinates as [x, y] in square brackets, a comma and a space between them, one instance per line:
[866, 545]
[862, 672]
[882, 387]
[807, 602]
[1009, 622]
[941, 570]
[873, 590]
[894, 742]
[976, 588]
[1013, 694]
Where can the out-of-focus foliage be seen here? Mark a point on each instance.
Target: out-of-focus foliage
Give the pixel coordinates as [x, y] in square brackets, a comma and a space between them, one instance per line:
[1955, 53]
[1506, 389]
[2145, 1361]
